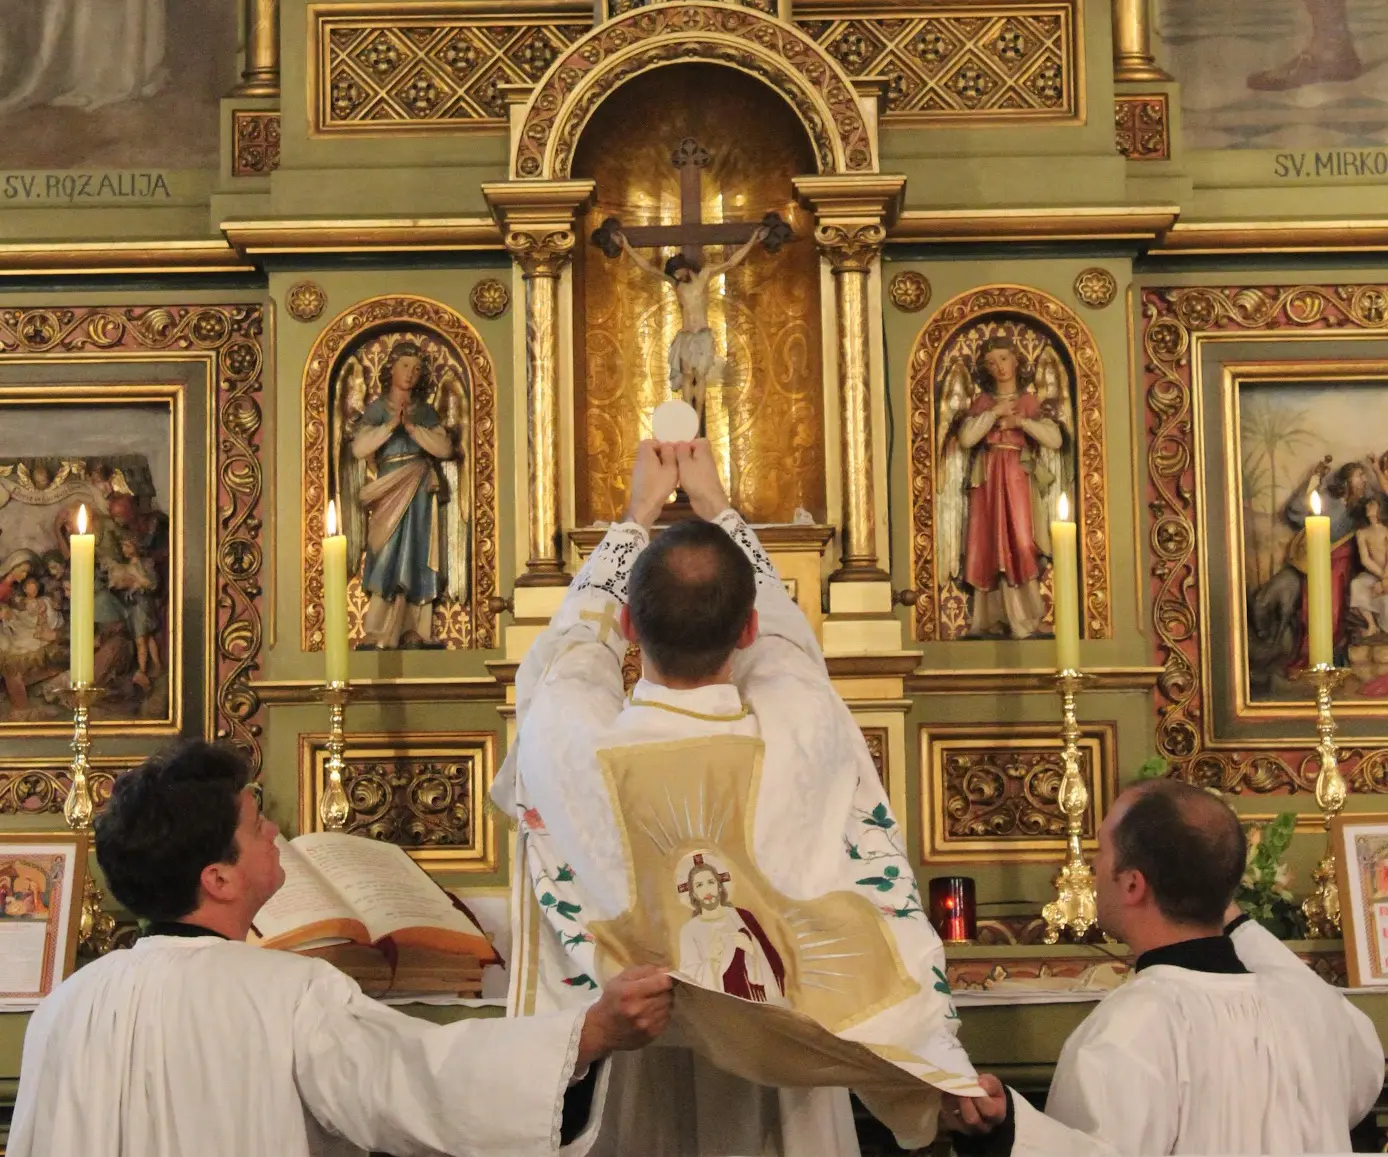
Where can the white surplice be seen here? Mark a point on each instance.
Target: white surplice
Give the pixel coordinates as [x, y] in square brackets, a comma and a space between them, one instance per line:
[667, 1101]
[199, 1045]
[1180, 1061]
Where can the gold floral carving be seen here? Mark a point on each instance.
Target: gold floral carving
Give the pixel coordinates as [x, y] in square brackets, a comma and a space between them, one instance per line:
[909, 291]
[229, 341]
[934, 337]
[1143, 126]
[541, 253]
[972, 975]
[790, 62]
[31, 787]
[876, 738]
[305, 300]
[1096, 287]
[458, 625]
[490, 298]
[1174, 321]
[621, 7]
[375, 69]
[850, 249]
[255, 142]
[964, 62]
[424, 793]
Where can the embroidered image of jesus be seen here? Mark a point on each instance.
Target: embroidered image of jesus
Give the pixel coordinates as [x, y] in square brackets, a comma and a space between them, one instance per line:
[723, 947]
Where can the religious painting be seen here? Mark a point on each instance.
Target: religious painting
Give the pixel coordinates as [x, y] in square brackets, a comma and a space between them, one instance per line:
[118, 459]
[1309, 434]
[41, 884]
[425, 792]
[399, 434]
[1360, 843]
[722, 946]
[127, 85]
[1278, 74]
[699, 278]
[1006, 395]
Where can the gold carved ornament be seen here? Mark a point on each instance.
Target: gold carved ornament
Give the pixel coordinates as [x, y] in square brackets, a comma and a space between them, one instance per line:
[255, 142]
[964, 62]
[1007, 795]
[229, 341]
[541, 253]
[471, 625]
[1096, 287]
[1172, 320]
[490, 298]
[40, 787]
[786, 59]
[1142, 125]
[305, 301]
[1050, 315]
[909, 292]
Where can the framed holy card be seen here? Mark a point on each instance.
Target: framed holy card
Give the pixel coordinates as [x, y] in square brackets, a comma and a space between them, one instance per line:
[1360, 844]
[42, 877]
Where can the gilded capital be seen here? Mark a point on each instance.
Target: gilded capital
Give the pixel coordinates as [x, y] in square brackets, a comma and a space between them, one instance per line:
[541, 253]
[851, 248]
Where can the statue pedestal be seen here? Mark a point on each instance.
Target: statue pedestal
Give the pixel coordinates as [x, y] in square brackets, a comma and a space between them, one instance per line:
[861, 620]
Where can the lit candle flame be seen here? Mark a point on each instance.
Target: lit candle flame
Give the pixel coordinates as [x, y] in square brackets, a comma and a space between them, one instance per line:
[81, 520]
[1315, 502]
[331, 520]
[1062, 508]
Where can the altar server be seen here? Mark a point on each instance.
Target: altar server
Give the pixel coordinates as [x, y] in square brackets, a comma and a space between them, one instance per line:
[1223, 1042]
[195, 1042]
[726, 653]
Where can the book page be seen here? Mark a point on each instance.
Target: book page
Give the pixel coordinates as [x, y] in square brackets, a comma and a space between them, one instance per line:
[22, 947]
[388, 891]
[305, 908]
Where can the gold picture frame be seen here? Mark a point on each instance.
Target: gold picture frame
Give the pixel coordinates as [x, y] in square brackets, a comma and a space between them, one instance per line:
[434, 786]
[1359, 841]
[989, 791]
[42, 880]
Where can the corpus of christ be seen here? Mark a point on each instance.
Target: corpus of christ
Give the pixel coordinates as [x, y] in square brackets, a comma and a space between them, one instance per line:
[741, 578]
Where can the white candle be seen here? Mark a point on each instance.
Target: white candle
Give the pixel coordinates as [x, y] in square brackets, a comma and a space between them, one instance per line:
[82, 612]
[1321, 625]
[1065, 588]
[335, 600]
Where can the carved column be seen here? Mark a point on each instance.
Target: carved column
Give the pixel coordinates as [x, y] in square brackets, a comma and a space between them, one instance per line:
[537, 221]
[261, 76]
[1132, 42]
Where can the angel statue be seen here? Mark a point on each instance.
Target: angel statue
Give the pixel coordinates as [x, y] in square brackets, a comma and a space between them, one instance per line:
[403, 492]
[1004, 426]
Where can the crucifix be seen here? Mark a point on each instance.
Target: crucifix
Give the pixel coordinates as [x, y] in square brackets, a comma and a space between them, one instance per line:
[693, 359]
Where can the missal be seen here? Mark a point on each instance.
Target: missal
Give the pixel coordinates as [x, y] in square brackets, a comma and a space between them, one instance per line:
[366, 907]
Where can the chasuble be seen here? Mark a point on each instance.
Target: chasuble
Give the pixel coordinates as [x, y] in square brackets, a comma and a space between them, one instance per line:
[737, 834]
[192, 1044]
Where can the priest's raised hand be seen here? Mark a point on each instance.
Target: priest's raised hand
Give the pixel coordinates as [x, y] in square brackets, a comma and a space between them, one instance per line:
[633, 1010]
[698, 476]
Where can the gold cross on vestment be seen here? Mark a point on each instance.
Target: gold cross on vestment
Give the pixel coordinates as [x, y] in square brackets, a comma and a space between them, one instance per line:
[606, 619]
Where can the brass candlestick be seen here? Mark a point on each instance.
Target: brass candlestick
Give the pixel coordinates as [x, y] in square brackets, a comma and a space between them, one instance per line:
[96, 927]
[333, 808]
[1074, 906]
[1322, 906]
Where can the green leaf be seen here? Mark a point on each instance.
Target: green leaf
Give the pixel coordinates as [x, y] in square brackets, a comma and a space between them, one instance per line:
[548, 900]
[1154, 768]
[881, 818]
[941, 981]
[891, 870]
[853, 853]
[567, 910]
[1277, 836]
[564, 874]
[582, 980]
[881, 883]
[575, 940]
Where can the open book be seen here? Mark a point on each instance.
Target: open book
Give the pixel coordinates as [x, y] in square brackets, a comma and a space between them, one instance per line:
[346, 895]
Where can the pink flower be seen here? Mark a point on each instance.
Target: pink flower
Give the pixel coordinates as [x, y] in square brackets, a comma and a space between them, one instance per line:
[531, 819]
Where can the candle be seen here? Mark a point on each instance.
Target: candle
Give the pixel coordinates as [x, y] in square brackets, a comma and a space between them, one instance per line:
[82, 613]
[1318, 585]
[335, 600]
[952, 909]
[1065, 589]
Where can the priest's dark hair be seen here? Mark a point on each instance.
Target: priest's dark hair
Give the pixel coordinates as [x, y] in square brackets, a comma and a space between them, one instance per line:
[166, 821]
[690, 596]
[1189, 847]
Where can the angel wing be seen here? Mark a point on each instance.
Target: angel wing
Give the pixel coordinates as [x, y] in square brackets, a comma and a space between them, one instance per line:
[951, 495]
[349, 471]
[1054, 394]
[455, 410]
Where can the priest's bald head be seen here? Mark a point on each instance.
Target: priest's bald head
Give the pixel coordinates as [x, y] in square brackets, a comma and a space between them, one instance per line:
[690, 605]
[1170, 860]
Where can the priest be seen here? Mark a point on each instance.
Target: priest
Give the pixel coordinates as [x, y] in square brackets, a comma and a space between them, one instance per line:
[1223, 1041]
[195, 1042]
[730, 666]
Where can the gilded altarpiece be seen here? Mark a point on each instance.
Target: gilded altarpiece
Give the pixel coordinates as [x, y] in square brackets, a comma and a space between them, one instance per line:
[1242, 386]
[765, 417]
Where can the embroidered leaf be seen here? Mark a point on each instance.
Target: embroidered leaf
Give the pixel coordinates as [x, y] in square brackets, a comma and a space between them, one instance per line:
[941, 981]
[891, 870]
[564, 874]
[577, 939]
[853, 853]
[567, 910]
[548, 900]
[880, 818]
[582, 980]
[881, 883]
[907, 912]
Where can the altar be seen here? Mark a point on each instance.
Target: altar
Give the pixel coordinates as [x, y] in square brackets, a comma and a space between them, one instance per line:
[348, 370]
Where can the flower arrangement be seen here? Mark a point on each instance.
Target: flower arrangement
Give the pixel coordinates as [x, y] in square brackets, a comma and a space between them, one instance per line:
[1265, 892]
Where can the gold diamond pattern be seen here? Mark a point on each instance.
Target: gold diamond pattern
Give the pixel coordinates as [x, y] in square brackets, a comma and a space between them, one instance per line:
[963, 61]
[372, 70]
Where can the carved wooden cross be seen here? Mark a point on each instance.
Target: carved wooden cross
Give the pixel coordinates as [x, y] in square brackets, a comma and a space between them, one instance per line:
[690, 232]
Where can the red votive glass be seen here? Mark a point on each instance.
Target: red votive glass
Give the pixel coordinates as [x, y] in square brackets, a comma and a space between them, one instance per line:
[953, 909]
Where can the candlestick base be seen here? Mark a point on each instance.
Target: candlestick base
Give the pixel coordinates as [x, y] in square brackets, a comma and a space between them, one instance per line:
[96, 929]
[1075, 907]
[333, 806]
[79, 807]
[1322, 907]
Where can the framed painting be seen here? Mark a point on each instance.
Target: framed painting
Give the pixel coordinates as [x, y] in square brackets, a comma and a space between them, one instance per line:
[42, 877]
[117, 454]
[1360, 844]
[400, 433]
[1007, 422]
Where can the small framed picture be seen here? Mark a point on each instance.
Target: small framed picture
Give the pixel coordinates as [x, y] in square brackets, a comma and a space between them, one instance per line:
[1361, 866]
[42, 878]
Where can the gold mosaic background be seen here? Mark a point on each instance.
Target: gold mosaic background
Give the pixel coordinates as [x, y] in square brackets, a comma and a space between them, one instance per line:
[766, 421]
